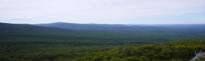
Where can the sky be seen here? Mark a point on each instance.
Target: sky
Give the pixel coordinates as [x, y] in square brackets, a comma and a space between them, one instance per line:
[103, 11]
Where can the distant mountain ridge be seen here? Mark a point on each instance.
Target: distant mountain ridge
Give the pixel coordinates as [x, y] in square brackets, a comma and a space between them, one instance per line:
[76, 26]
[121, 27]
[99, 33]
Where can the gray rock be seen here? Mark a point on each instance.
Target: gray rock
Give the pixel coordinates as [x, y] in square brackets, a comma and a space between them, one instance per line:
[199, 57]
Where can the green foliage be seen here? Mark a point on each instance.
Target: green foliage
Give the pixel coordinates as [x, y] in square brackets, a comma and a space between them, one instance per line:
[154, 52]
[174, 51]
[32, 43]
[21, 32]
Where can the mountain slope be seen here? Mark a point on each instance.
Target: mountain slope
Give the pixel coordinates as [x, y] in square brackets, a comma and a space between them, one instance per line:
[24, 32]
[129, 34]
[113, 27]
[22, 42]
[121, 27]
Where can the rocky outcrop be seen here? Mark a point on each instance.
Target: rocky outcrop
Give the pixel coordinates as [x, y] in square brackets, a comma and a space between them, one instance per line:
[199, 57]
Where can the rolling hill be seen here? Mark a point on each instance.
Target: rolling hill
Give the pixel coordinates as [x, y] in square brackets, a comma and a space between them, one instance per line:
[24, 42]
[123, 27]
[99, 33]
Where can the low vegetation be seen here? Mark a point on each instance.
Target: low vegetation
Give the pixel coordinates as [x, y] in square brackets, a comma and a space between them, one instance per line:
[173, 51]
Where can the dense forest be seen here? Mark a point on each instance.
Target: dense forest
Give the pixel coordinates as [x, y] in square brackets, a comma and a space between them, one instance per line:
[23, 42]
[170, 51]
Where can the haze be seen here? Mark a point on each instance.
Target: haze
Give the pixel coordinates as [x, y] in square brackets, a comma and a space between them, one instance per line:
[103, 11]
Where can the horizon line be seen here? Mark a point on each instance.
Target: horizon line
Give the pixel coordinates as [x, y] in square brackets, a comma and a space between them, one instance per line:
[98, 23]
[104, 23]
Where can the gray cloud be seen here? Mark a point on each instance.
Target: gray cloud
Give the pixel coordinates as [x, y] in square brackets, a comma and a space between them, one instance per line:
[101, 11]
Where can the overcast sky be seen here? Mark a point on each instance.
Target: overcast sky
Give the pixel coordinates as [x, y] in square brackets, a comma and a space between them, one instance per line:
[103, 11]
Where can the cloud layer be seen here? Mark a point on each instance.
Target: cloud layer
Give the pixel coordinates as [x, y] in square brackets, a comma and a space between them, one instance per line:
[104, 11]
